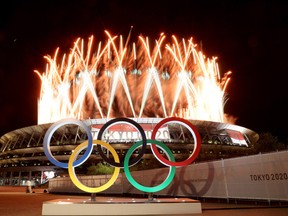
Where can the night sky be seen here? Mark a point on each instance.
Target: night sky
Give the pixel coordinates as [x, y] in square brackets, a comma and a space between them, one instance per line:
[250, 38]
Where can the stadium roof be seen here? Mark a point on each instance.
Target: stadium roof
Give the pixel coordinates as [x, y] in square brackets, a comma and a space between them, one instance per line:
[214, 127]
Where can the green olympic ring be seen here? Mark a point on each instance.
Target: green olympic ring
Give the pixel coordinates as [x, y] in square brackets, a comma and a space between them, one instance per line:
[143, 188]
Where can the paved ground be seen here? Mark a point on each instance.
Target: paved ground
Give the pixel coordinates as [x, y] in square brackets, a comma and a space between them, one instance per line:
[14, 201]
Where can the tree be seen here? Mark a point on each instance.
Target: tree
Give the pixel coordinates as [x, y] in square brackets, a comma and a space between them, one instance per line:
[267, 143]
[100, 169]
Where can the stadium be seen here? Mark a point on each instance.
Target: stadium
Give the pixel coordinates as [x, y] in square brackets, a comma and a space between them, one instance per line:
[144, 83]
[22, 156]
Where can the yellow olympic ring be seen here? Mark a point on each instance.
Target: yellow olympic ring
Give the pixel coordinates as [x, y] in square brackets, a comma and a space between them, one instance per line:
[73, 176]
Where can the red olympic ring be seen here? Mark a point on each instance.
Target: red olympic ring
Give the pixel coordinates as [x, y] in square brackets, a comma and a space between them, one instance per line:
[196, 137]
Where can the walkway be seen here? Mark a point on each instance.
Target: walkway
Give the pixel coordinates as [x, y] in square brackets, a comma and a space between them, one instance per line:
[14, 201]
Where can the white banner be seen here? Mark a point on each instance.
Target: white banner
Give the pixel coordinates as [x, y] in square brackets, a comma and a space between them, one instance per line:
[261, 177]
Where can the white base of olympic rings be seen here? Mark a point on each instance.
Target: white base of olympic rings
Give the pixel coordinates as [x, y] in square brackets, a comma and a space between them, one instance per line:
[122, 206]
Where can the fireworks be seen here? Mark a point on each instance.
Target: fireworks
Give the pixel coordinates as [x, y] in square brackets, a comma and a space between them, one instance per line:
[138, 79]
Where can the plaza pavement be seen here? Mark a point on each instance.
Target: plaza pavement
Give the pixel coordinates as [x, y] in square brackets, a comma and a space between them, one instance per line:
[14, 201]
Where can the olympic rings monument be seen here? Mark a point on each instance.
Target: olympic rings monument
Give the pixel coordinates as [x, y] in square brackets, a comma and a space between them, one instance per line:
[122, 206]
[143, 91]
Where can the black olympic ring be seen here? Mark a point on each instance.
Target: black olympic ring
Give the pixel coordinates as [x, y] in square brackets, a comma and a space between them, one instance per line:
[132, 123]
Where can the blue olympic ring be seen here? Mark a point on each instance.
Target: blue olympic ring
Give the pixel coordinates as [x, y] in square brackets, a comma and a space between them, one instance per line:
[51, 131]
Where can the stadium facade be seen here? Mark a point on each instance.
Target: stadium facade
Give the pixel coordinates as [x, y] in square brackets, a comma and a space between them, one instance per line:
[22, 155]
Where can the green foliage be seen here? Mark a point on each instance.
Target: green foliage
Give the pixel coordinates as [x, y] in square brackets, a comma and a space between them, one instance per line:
[146, 164]
[100, 169]
[267, 143]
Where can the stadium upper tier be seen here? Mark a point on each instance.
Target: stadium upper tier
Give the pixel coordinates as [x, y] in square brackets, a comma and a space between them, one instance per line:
[24, 146]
